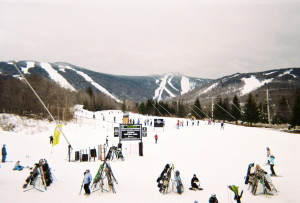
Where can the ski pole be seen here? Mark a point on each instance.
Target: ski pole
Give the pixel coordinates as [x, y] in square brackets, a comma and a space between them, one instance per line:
[81, 187]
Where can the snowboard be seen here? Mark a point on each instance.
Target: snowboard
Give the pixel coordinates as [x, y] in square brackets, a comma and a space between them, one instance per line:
[196, 189]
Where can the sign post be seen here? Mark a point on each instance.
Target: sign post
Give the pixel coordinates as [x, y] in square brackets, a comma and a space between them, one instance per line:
[131, 132]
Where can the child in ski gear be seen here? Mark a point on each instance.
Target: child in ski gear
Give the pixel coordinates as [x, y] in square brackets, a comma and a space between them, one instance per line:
[194, 182]
[213, 199]
[156, 138]
[4, 153]
[18, 167]
[86, 181]
[271, 161]
[235, 190]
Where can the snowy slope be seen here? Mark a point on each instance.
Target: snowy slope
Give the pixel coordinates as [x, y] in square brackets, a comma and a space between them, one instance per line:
[96, 85]
[166, 86]
[218, 157]
[54, 75]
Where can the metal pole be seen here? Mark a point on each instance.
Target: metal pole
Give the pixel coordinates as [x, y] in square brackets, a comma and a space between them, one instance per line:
[268, 108]
[41, 102]
[212, 108]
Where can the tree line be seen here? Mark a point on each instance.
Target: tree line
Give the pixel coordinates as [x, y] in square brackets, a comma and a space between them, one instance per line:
[250, 111]
[16, 97]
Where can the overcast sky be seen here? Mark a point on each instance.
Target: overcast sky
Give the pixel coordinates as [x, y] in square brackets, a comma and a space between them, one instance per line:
[201, 38]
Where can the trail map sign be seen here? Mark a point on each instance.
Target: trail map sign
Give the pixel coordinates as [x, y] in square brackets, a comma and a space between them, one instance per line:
[130, 131]
[158, 122]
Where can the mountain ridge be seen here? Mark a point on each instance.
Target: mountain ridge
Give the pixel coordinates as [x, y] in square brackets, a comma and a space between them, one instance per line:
[118, 87]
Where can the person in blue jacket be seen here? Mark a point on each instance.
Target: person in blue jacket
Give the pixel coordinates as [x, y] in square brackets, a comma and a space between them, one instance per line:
[271, 161]
[4, 153]
[18, 167]
[86, 181]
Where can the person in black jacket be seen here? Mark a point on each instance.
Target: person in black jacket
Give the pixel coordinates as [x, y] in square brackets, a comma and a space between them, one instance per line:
[194, 183]
[213, 199]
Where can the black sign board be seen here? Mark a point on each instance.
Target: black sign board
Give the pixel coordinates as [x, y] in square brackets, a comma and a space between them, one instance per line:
[130, 132]
[158, 122]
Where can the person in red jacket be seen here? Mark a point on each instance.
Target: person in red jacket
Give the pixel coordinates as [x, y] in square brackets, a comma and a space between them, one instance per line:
[156, 138]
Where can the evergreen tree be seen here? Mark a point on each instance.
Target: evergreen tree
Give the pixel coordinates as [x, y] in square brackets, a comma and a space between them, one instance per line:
[142, 108]
[235, 109]
[181, 112]
[150, 110]
[218, 112]
[226, 110]
[197, 110]
[251, 113]
[123, 106]
[296, 111]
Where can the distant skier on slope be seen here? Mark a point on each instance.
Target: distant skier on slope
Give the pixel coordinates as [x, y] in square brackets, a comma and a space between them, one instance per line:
[222, 125]
[156, 138]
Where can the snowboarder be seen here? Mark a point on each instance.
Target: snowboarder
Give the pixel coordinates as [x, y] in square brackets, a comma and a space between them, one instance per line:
[4, 153]
[195, 183]
[86, 181]
[51, 139]
[213, 199]
[18, 167]
[271, 161]
[235, 190]
[156, 138]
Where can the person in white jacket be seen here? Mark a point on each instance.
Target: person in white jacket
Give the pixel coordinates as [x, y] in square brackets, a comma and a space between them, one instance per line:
[86, 181]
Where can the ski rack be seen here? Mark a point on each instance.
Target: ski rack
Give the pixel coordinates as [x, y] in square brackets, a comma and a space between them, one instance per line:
[103, 172]
[39, 178]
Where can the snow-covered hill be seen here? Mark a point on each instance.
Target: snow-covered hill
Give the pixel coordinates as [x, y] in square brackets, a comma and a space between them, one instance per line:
[283, 81]
[218, 157]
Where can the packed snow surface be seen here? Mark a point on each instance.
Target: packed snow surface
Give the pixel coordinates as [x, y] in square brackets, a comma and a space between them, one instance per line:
[218, 157]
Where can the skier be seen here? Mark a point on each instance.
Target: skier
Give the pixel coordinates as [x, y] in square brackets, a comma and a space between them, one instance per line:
[194, 184]
[156, 138]
[86, 181]
[4, 153]
[18, 167]
[213, 199]
[51, 139]
[271, 161]
[106, 140]
[222, 125]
